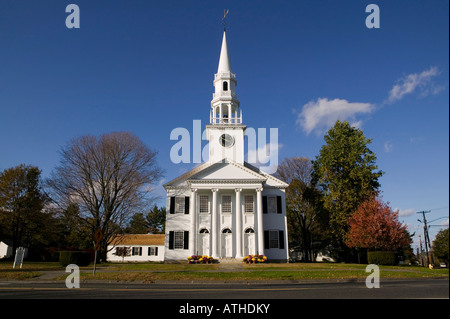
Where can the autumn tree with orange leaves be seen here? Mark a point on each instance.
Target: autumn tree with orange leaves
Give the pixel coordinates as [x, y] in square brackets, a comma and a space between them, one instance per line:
[375, 226]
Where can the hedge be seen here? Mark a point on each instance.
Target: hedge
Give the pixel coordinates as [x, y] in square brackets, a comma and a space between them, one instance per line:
[381, 258]
[79, 258]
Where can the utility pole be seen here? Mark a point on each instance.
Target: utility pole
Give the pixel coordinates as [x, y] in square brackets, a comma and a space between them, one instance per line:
[425, 235]
[421, 251]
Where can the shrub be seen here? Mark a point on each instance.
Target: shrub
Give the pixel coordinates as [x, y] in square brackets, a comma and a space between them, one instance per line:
[79, 258]
[381, 258]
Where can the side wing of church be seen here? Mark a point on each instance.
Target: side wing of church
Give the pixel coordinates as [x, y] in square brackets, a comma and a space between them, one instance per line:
[226, 208]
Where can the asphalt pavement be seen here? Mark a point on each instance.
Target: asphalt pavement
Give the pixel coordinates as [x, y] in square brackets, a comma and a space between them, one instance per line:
[318, 289]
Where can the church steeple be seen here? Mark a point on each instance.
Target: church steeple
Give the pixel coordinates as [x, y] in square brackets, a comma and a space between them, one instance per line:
[225, 103]
[224, 60]
[225, 131]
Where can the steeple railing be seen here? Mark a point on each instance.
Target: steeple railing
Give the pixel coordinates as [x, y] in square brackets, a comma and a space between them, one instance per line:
[224, 119]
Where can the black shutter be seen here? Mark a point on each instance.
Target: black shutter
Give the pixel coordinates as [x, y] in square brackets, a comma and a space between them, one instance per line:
[140, 251]
[186, 205]
[186, 240]
[156, 251]
[172, 205]
[279, 206]
[281, 239]
[266, 240]
[264, 204]
[171, 239]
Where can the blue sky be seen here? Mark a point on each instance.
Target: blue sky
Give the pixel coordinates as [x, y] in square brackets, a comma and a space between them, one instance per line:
[148, 66]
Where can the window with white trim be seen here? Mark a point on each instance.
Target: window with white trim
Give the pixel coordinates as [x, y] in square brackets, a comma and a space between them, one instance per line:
[179, 205]
[153, 251]
[248, 204]
[226, 204]
[179, 240]
[136, 251]
[204, 204]
[272, 204]
[273, 239]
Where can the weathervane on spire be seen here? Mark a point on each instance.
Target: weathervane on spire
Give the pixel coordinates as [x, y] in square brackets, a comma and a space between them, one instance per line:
[225, 12]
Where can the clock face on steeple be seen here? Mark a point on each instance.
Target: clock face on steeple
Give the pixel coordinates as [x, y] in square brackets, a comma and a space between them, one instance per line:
[226, 140]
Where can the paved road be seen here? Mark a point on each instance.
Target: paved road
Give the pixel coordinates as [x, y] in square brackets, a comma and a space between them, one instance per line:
[390, 289]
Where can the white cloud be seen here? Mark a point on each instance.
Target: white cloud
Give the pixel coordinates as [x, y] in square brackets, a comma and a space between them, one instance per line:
[321, 115]
[405, 212]
[411, 82]
[388, 147]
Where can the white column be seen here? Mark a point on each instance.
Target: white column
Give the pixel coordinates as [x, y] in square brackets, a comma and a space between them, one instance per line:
[214, 223]
[238, 224]
[193, 230]
[260, 230]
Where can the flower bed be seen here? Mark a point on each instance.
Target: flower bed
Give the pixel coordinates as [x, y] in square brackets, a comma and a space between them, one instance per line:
[194, 259]
[255, 259]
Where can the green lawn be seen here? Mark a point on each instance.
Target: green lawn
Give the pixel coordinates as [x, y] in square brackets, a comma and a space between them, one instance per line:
[149, 272]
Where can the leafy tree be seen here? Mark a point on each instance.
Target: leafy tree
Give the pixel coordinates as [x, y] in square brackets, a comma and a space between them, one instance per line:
[440, 245]
[137, 224]
[156, 220]
[108, 177]
[376, 227]
[346, 172]
[76, 233]
[21, 207]
[304, 206]
[152, 222]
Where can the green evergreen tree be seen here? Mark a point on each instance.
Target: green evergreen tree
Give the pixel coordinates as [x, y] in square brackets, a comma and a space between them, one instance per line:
[346, 172]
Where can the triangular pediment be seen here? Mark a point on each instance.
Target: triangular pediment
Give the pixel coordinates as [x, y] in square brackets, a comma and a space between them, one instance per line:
[225, 171]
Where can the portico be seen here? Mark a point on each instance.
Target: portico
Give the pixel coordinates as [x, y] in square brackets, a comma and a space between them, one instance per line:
[223, 214]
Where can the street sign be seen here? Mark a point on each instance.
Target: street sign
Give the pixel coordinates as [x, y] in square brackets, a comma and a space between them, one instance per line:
[98, 235]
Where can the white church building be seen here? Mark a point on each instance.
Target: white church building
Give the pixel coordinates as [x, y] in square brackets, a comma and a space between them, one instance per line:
[225, 207]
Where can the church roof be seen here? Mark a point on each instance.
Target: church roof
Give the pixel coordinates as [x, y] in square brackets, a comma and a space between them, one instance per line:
[224, 61]
[225, 171]
[139, 239]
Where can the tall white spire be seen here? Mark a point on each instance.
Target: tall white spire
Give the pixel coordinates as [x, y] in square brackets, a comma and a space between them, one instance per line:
[225, 131]
[224, 61]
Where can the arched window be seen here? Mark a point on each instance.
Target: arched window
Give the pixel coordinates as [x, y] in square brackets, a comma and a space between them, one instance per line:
[204, 231]
[249, 231]
[225, 86]
[226, 231]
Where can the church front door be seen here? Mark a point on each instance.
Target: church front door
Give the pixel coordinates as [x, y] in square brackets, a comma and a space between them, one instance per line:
[226, 245]
[249, 244]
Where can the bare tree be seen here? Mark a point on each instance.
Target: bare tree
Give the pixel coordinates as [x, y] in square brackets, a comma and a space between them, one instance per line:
[108, 177]
[299, 168]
